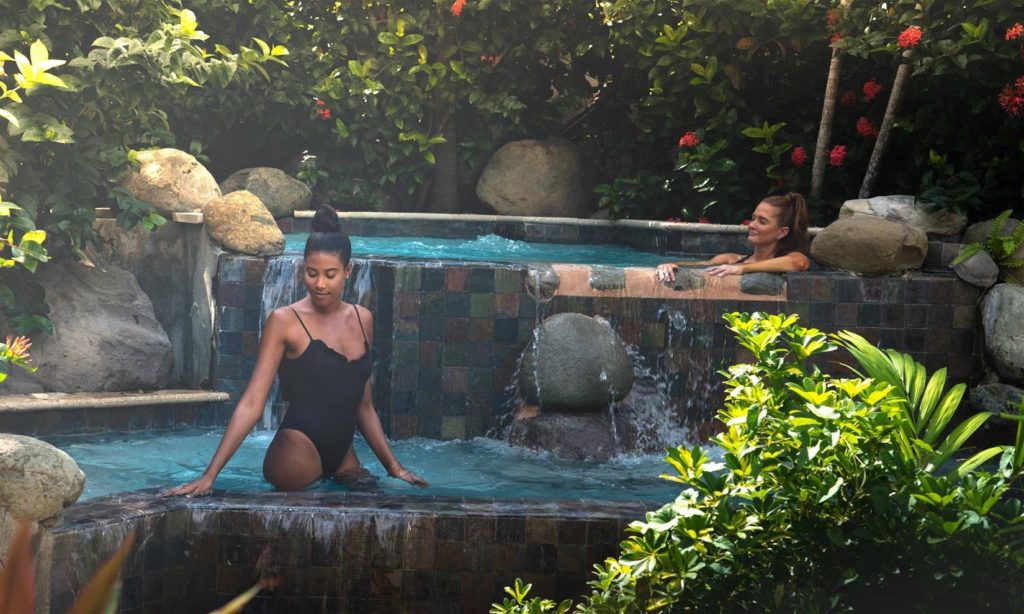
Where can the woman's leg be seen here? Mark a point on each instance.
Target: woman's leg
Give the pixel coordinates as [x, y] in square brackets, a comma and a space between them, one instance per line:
[292, 462]
[352, 474]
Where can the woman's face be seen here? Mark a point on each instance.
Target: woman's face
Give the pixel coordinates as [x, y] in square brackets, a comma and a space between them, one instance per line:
[764, 228]
[324, 276]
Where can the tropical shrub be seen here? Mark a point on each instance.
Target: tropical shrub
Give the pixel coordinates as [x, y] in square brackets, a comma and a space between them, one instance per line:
[829, 494]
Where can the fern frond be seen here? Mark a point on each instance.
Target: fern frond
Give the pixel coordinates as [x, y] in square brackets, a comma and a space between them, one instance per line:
[995, 232]
[968, 251]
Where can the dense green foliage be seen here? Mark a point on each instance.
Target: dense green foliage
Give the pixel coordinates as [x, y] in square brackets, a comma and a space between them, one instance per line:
[830, 494]
[1000, 243]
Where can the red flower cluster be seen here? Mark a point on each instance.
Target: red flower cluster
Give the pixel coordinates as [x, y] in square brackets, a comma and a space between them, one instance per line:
[1012, 98]
[871, 89]
[866, 129]
[703, 220]
[490, 59]
[673, 219]
[798, 156]
[690, 139]
[832, 17]
[457, 7]
[837, 156]
[909, 37]
[837, 37]
[1014, 32]
[849, 98]
[745, 223]
[321, 110]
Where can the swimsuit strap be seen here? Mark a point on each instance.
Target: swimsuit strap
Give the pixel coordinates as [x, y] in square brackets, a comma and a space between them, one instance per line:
[743, 259]
[303, 323]
[365, 340]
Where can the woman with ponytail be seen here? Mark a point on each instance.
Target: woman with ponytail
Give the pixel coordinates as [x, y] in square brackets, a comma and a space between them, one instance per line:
[320, 347]
[778, 232]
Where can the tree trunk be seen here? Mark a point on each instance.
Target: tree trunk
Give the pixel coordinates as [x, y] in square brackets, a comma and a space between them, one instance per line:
[444, 193]
[902, 74]
[827, 113]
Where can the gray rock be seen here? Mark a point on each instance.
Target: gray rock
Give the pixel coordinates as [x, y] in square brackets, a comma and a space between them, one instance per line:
[171, 180]
[106, 336]
[542, 282]
[239, 222]
[689, 279]
[607, 278]
[978, 270]
[907, 210]
[535, 178]
[762, 283]
[569, 436]
[1002, 311]
[870, 245]
[575, 363]
[281, 194]
[977, 233]
[995, 397]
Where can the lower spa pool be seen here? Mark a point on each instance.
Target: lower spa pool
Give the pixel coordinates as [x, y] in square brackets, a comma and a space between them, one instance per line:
[481, 467]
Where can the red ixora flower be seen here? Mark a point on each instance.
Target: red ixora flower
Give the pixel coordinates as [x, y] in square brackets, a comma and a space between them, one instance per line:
[832, 17]
[798, 156]
[848, 99]
[323, 113]
[690, 139]
[320, 103]
[871, 89]
[909, 37]
[745, 223]
[457, 7]
[838, 36]
[837, 156]
[866, 129]
[1015, 31]
[1012, 98]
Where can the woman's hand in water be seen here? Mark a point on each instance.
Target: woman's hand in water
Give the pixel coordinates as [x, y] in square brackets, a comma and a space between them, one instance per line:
[195, 488]
[408, 476]
[666, 273]
[721, 270]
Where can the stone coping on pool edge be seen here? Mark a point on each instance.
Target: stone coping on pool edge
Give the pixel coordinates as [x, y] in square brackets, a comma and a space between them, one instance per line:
[42, 401]
[196, 217]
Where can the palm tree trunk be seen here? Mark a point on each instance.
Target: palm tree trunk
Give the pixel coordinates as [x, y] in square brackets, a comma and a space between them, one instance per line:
[827, 113]
[898, 84]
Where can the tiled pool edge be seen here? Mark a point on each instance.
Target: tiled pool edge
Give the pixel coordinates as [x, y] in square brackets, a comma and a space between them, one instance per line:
[336, 551]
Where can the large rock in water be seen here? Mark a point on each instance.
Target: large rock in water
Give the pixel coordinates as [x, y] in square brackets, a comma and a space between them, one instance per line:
[1002, 311]
[535, 178]
[239, 222]
[906, 209]
[575, 363]
[977, 233]
[171, 180]
[105, 337]
[281, 194]
[870, 245]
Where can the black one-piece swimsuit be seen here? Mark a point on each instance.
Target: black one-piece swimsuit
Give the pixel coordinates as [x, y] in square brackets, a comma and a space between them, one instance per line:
[323, 389]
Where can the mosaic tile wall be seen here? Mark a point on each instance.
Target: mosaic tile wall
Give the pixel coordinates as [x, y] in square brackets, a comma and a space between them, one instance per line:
[335, 552]
[43, 423]
[449, 338]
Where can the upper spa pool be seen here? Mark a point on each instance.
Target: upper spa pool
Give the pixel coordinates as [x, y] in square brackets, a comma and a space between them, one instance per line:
[121, 462]
[490, 248]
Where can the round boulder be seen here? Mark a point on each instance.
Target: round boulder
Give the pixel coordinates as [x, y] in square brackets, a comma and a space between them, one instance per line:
[870, 245]
[171, 180]
[575, 363]
[977, 233]
[1002, 311]
[1001, 398]
[239, 222]
[37, 480]
[907, 210]
[281, 194]
[978, 270]
[535, 178]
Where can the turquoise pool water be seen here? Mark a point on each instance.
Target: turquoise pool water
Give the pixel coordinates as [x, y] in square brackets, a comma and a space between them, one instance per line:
[491, 248]
[479, 467]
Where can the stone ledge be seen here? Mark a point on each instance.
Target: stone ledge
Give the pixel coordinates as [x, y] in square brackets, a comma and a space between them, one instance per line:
[41, 401]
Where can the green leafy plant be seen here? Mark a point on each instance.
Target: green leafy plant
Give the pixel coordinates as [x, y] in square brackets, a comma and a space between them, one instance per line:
[999, 244]
[826, 494]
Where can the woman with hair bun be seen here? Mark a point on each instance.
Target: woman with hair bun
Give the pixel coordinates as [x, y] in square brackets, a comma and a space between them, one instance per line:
[320, 347]
[778, 232]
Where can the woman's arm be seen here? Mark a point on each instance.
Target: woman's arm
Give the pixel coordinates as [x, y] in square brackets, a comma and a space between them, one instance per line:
[369, 425]
[249, 408]
[666, 273]
[791, 262]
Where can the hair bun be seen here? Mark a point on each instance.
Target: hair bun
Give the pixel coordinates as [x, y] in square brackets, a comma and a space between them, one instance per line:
[325, 220]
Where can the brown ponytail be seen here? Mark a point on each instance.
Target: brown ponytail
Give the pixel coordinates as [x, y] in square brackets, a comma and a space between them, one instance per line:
[792, 214]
